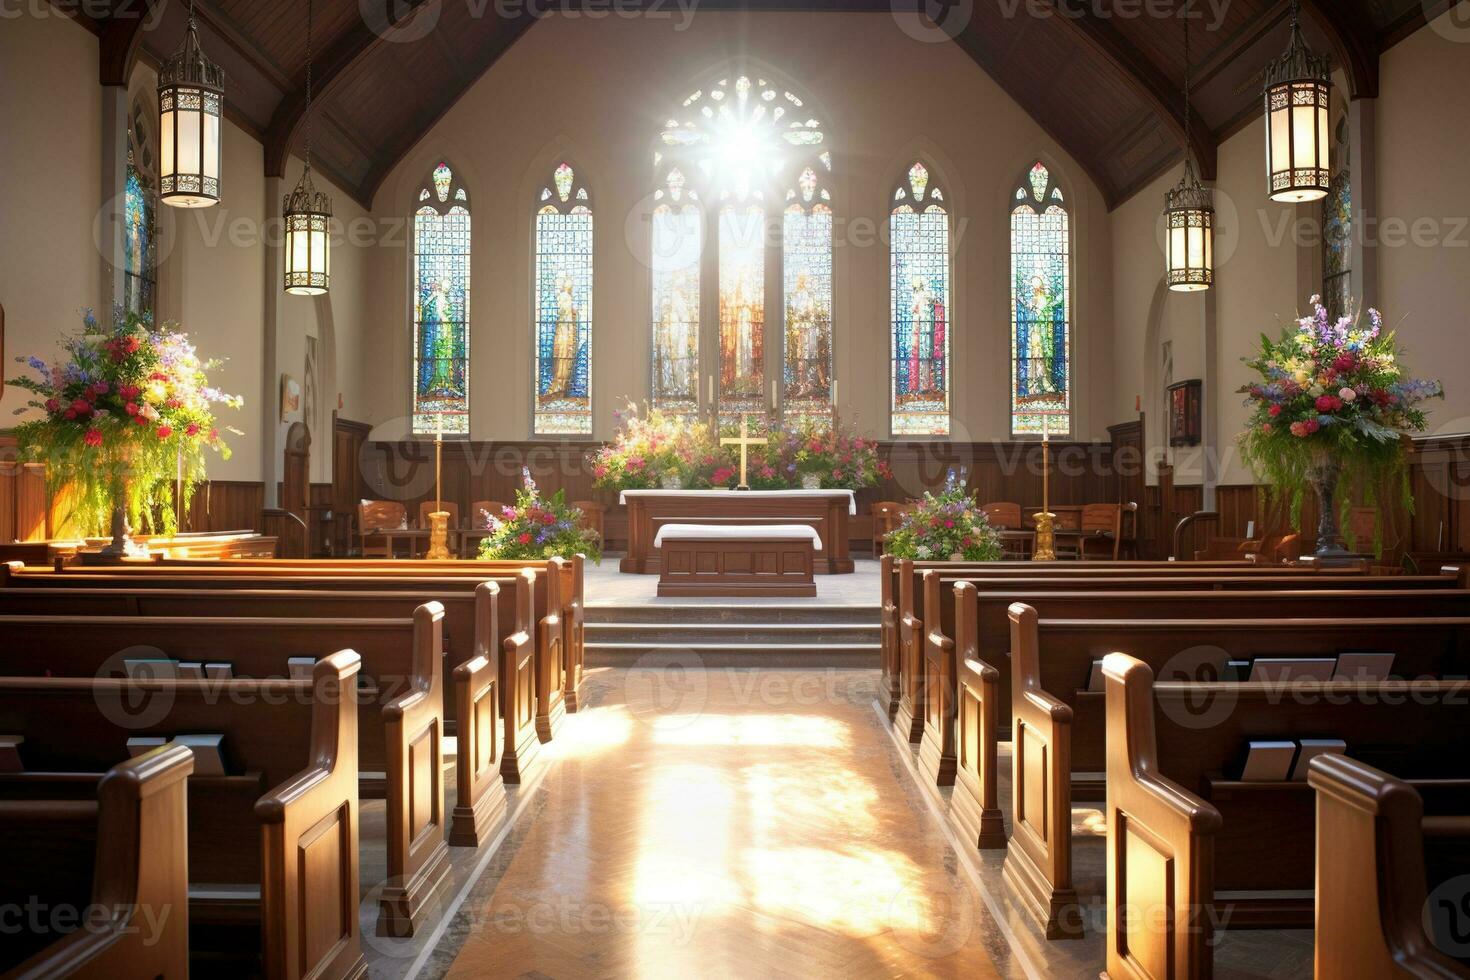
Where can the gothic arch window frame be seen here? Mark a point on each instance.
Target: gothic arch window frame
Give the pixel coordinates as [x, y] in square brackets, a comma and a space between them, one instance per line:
[565, 199]
[924, 412]
[1337, 222]
[784, 132]
[1039, 194]
[139, 272]
[809, 356]
[675, 196]
[442, 194]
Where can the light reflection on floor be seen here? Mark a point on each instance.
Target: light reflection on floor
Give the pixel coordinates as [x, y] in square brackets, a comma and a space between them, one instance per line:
[739, 836]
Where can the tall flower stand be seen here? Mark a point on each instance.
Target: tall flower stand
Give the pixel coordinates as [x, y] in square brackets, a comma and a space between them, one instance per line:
[1323, 477]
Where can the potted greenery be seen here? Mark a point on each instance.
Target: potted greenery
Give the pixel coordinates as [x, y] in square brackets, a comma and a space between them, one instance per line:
[1332, 409]
[945, 526]
[539, 527]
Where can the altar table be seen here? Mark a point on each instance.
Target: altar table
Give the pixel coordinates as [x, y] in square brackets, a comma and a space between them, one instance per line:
[825, 511]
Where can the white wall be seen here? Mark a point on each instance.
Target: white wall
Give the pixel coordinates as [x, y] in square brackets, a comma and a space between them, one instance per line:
[599, 90]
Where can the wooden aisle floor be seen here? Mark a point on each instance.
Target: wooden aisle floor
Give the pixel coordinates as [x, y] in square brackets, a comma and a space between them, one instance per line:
[719, 823]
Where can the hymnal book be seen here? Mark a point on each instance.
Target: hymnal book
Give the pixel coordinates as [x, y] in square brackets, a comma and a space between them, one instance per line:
[301, 667]
[1363, 666]
[151, 669]
[219, 672]
[1268, 762]
[10, 753]
[139, 744]
[208, 759]
[1281, 669]
[191, 670]
[1095, 679]
[1311, 748]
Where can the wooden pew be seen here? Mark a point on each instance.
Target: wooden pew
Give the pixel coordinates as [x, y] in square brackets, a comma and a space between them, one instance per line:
[403, 712]
[276, 840]
[1190, 845]
[1059, 730]
[134, 833]
[941, 665]
[1380, 859]
[570, 569]
[552, 673]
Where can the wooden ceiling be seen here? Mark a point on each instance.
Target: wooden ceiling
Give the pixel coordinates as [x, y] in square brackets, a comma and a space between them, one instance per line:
[1103, 77]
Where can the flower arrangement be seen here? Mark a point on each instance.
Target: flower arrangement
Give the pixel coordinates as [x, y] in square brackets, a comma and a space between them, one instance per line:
[661, 449]
[947, 525]
[537, 527]
[129, 414]
[1331, 404]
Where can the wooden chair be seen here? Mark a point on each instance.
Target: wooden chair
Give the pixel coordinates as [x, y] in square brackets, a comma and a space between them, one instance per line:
[480, 508]
[450, 507]
[886, 516]
[592, 516]
[1005, 517]
[374, 516]
[1101, 523]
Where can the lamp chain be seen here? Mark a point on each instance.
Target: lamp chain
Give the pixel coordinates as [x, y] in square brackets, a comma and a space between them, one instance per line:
[310, 119]
[1188, 143]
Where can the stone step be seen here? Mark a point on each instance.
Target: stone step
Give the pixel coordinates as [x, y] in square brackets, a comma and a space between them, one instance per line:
[705, 655]
[667, 613]
[701, 634]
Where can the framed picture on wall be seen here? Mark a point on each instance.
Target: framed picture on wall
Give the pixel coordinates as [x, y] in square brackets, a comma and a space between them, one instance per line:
[290, 397]
[1184, 413]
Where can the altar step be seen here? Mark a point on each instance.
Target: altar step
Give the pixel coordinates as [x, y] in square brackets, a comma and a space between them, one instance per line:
[733, 636]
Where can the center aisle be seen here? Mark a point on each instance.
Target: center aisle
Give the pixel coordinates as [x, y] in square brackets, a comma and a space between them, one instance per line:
[723, 823]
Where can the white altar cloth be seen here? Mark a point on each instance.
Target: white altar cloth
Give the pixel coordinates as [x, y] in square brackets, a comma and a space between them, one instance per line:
[851, 497]
[752, 532]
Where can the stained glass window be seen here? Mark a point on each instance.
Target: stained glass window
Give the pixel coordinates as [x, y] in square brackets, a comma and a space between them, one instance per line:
[140, 226]
[920, 306]
[563, 337]
[806, 243]
[742, 309]
[1337, 230]
[677, 244]
[1041, 393]
[441, 307]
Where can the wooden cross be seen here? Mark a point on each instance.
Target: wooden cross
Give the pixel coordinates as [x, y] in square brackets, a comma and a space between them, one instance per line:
[745, 441]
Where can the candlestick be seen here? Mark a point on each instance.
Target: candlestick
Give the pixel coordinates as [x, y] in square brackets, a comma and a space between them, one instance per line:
[1045, 548]
[439, 519]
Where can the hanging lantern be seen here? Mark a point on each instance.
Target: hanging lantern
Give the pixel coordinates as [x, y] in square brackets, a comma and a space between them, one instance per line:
[1189, 216]
[190, 101]
[307, 212]
[1297, 137]
[1189, 228]
[308, 258]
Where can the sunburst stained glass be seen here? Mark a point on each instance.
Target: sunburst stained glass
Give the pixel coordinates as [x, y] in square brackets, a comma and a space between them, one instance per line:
[677, 244]
[742, 310]
[140, 271]
[1040, 311]
[807, 295]
[564, 311]
[441, 261]
[920, 308]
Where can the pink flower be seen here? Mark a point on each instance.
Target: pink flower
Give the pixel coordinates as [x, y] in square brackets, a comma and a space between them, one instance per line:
[1274, 411]
[525, 538]
[1266, 427]
[140, 420]
[132, 408]
[81, 406]
[1347, 394]
[192, 429]
[164, 432]
[1328, 403]
[93, 438]
[52, 405]
[1299, 429]
[949, 523]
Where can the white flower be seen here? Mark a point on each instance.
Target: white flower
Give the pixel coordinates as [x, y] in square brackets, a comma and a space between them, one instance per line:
[1347, 394]
[923, 551]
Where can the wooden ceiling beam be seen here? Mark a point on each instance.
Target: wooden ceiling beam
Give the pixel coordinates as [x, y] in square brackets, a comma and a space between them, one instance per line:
[119, 39]
[1142, 75]
[338, 57]
[1354, 43]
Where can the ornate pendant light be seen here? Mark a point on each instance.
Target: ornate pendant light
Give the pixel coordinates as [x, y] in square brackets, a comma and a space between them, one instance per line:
[1297, 137]
[307, 213]
[1189, 214]
[191, 98]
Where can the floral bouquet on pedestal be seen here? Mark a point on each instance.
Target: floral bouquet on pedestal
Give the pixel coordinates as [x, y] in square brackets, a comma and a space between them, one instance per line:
[129, 417]
[947, 526]
[537, 528]
[1332, 409]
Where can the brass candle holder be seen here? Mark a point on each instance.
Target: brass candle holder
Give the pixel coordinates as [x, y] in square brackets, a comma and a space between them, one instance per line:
[1045, 548]
[438, 536]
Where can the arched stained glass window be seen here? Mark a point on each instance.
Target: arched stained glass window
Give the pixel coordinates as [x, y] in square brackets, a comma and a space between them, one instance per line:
[563, 302]
[441, 306]
[140, 220]
[678, 230]
[921, 314]
[1041, 300]
[742, 142]
[806, 242]
[1337, 228]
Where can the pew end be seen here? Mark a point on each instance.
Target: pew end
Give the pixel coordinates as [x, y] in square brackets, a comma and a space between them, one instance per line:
[909, 717]
[309, 842]
[140, 874]
[1160, 846]
[888, 692]
[519, 677]
[1372, 889]
[481, 800]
